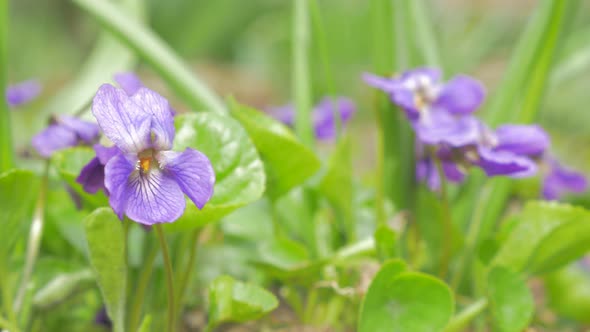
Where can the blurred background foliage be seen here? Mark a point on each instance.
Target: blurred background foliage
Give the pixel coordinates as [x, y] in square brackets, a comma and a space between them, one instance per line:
[243, 48]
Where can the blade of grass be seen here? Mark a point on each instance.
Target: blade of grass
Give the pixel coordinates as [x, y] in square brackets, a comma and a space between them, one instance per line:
[423, 32]
[6, 148]
[575, 59]
[383, 58]
[155, 52]
[301, 79]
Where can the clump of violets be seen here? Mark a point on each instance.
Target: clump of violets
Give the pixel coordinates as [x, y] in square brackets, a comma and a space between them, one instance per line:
[63, 132]
[324, 115]
[145, 179]
[441, 115]
[22, 93]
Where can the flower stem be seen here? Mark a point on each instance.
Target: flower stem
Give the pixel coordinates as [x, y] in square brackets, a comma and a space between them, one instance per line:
[142, 284]
[460, 321]
[169, 276]
[301, 81]
[472, 236]
[34, 242]
[189, 269]
[446, 221]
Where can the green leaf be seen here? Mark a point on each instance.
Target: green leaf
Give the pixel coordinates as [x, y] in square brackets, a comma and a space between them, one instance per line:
[18, 190]
[511, 302]
[568, 292]
[564, 244]
[61, 211]
[61, 288]
[287, 161]
[106, 245]
[155, 52]
[535, 224]
[69, 163]
[239, 172]
[405, 301]
[234, 301]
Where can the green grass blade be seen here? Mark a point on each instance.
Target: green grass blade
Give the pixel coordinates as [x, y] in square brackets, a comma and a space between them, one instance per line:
[423, 32]
[6, 148]
[154, 51]
[301, 78]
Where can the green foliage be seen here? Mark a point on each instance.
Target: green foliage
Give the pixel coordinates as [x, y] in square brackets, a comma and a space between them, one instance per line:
[234, 301]
[238, 169]
[107, 248]
[69, 163]
[542, 239]
[568, 292]
[511, 301]
[18, 190]
[398, 300]
[62, 287]
[154, 51]
[287, 161]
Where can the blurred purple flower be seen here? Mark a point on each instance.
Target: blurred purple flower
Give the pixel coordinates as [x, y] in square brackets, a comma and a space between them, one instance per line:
[323, 117]
[426, 169]
[64, 132]
[102, 318]
[129, 82]
[147, 181]
[559, 181]
[419, 92]
[92, 175]
[22, 93]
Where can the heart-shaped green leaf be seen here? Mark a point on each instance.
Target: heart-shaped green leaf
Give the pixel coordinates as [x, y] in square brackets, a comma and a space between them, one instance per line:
[234, 301]
[239, 172]
[533, 228]
[511, 301]
[106, 245]
[405, 301]
[565, 244]
[287, 161]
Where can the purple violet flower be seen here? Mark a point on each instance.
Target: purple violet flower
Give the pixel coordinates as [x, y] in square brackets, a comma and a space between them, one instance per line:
[419, 91]
[147, 181]
[92, 175]
[323, 115]
[129, 82]
[64, 132]
[559, 181]
[102, 318]
[22, 93]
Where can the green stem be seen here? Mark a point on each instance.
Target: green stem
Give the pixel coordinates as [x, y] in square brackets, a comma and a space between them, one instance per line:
[462, 319]
[186, 277]
[6, 148]
[322, 43]
[154, 51]
[301, 81]
[472, 238]
[144, 278]
[169, 276]
[447, 224]
[34, 241]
